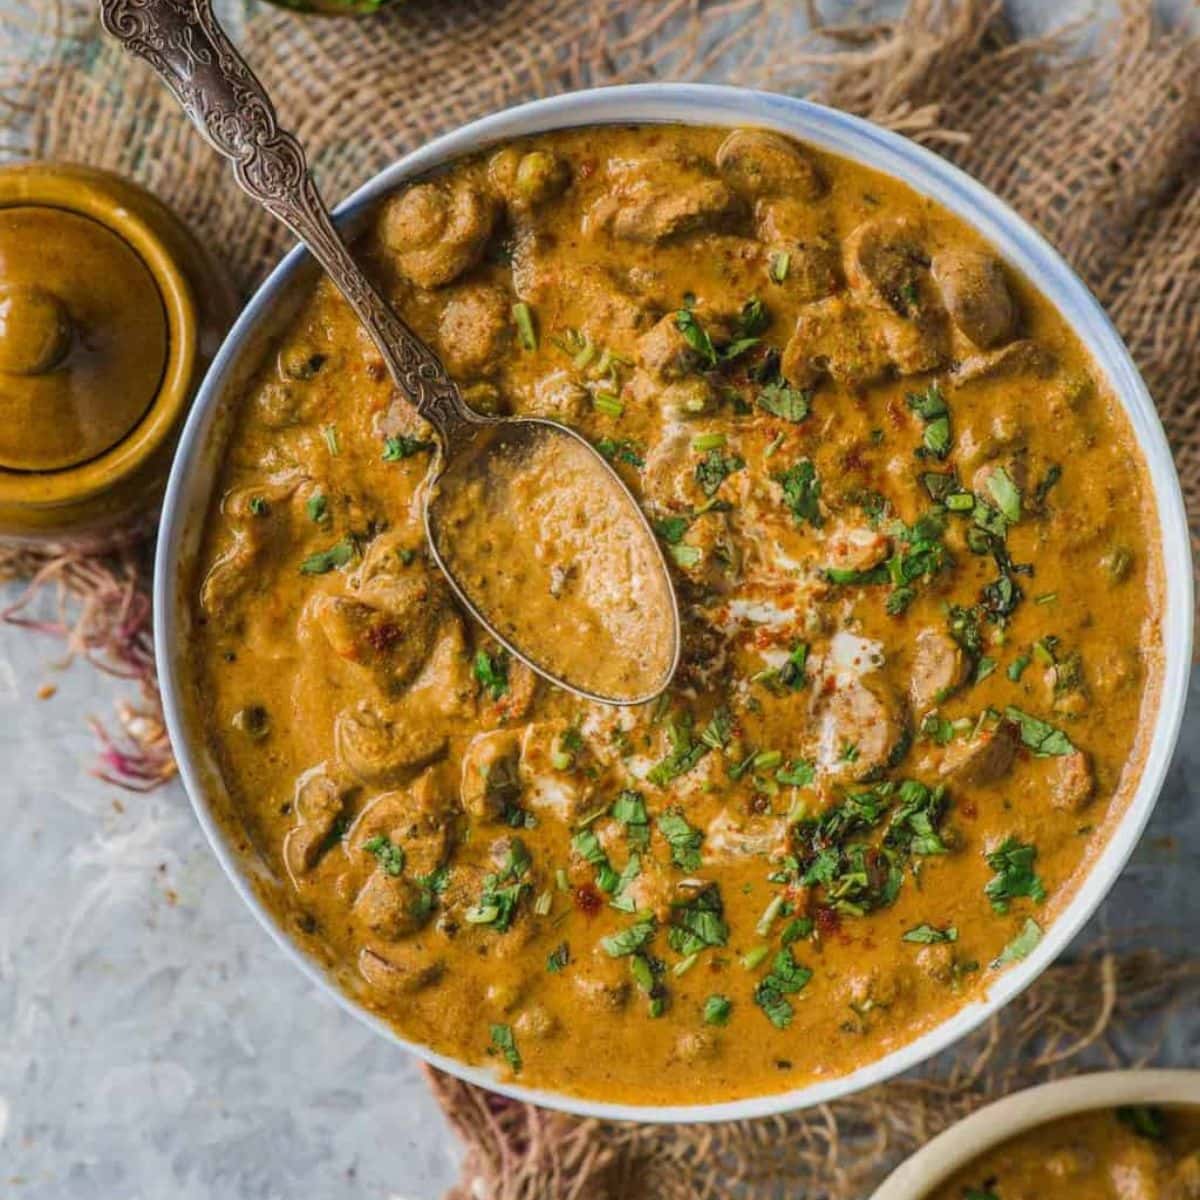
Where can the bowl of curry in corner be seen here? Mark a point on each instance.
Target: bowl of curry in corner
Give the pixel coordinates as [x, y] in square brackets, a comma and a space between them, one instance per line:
[932, 562]
[1131, 1134]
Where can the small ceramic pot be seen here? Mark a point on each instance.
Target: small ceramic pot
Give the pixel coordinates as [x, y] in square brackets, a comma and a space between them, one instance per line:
[110, 312]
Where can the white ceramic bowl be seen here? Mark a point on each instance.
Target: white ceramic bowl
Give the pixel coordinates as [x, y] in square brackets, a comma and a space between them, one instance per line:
[982, 1131]
[200, 449]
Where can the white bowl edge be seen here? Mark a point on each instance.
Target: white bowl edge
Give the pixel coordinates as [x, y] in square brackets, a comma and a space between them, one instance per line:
[697, 104]
[985, 1129]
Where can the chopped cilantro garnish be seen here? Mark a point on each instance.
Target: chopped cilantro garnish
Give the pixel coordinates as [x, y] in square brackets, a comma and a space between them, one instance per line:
[390, 856]
[786, 978]
[698, 923]
[1144, 1120]
[317, 508]
[400, 446]
[789, 403]
[258, 506]
[629, 809]
[628, 940]
[777, 269]
[717, 1009]
[558, 958]
[797, 774]
[492, 672]
[929, 935]
[1022, 945]
[672, 529]
[695, 335]
[930, 406]
[714, 468]
[683, 839]
[685, 752]
[338, 555]
[621, 451]
[1006, 494]
[506, 1043]
[1015, 876]
[802, 492]
[1043, 739]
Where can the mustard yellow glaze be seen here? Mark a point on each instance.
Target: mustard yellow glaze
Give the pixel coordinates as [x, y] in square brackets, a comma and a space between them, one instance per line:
[1135, 1153]
[124, 310]
[917, 557]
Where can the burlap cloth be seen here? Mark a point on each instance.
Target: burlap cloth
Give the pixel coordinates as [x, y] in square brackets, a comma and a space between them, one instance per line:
[1093, 134]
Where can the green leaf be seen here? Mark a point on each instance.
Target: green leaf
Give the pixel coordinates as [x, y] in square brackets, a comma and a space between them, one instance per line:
[558, 958]
[629, 809]
[786, 978]
[672, 529]
[717, 1009]
[399, 447]
[780, 400]
[1022, 945]
[338, 555]
[1145, 1120]
[802, 492]
[492, 672]
[629, 940]
[777, 269]
[624, 451]
[1043, 739]
[1013, 861]
[390, 856]
[506, 1043]
[317, 508]
[928, 935]
[714, 468]
[1006, 494]
[683, 839]
[696, 336]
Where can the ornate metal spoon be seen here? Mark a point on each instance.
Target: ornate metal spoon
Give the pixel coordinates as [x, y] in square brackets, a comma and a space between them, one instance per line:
[184, 43]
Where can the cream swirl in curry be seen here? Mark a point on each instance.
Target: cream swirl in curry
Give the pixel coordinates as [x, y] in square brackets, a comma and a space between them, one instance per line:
[917, 560]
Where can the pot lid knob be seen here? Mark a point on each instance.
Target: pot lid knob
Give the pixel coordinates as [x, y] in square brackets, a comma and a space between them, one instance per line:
[83, 338]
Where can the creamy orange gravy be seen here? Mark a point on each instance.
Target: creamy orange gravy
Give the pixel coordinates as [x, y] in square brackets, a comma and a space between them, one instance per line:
[1135, 1153]
[916, 553]
[547, 547]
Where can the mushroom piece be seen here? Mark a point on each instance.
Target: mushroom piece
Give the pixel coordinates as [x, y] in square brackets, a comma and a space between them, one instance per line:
[757, 163]
[418, 820]
[398, 970]
[983, 758]
[490, 780]
[318, 802]
[1072, 782]
[834, 337]
[382, 751]
[475, 330]
[437, 230]
[939, 668]
[886, 263]
[976, 295]
[657, 201]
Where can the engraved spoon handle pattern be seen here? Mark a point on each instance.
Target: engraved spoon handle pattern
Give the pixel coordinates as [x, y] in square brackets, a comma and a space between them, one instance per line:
[185, 44]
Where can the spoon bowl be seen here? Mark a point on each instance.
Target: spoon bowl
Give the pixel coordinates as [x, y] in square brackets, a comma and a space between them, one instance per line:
[628, 654]
[543, 543]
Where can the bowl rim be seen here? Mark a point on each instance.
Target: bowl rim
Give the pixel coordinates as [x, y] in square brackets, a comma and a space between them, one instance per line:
[928, 174]
[988, 1127]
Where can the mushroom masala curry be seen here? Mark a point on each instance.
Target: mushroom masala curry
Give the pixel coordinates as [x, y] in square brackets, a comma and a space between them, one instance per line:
[917, 558]
[1133, 1153]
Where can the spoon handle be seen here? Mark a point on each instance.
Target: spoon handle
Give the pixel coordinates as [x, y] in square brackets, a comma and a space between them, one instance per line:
[185, 44]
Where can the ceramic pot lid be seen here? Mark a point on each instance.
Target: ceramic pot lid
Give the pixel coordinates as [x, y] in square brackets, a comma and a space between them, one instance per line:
[83, 338]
